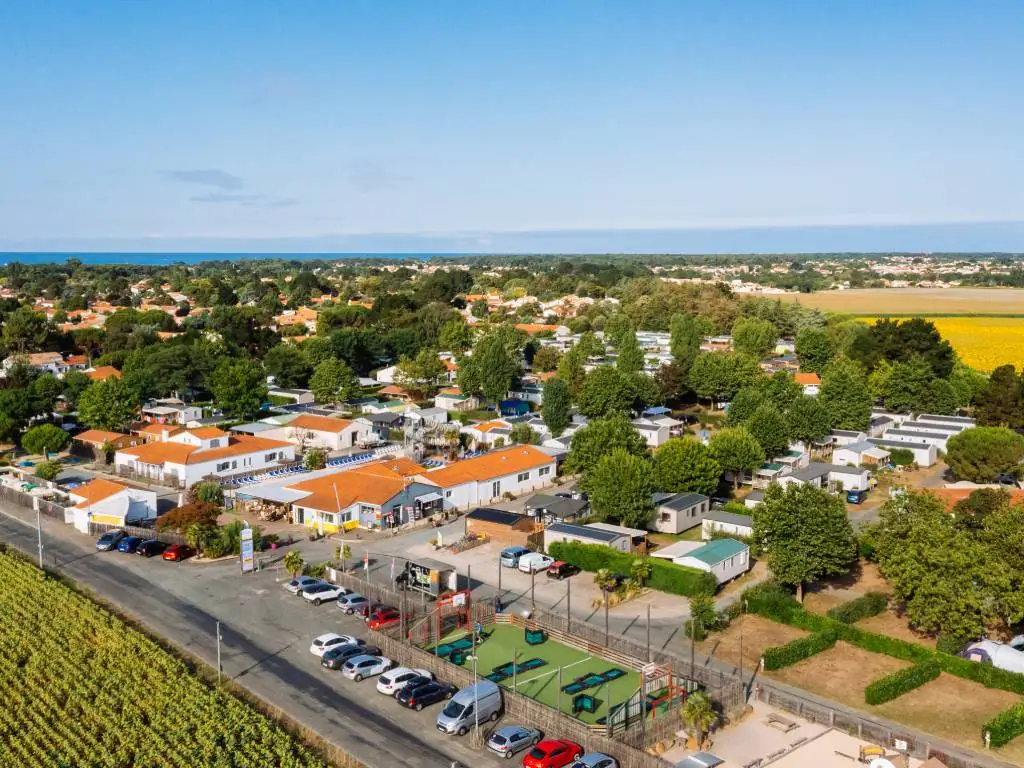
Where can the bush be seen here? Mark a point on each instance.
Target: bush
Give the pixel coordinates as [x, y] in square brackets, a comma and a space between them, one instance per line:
[1006, 726]
[317, 571]
[208, 491]
[950, 644]
[894, 685]
[771, 600]
[45, 437]
[48, 470]
[315, 458]
[787, 655]
[215, 547]
[901, 457]
[665, 576]
[180, 519]
[871, 604]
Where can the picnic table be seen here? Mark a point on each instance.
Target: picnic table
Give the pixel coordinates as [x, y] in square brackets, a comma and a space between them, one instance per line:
[781, 723]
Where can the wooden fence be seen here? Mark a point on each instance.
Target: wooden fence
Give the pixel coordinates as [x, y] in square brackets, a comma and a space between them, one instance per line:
[167, 537]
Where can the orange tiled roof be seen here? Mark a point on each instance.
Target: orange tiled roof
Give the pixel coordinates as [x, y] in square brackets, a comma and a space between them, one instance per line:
[374, 484]
[161, 452]
[319, 423]
[487, 426]
[206, 433]
[99, 436]
[394, 389]
[398, 465]
[450, 365]
[450, 391]
[97, 490]
[180, 453]
[103, 372]
[77, 359]
[807, 379]
[509, 461]
[158, 429]
[535, 327]
[952, 495]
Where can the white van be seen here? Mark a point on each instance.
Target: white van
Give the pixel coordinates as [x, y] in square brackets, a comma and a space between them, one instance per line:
[474, 704]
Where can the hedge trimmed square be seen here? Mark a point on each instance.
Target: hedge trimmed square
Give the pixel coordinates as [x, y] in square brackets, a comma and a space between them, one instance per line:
[787, 655]
[894, 685]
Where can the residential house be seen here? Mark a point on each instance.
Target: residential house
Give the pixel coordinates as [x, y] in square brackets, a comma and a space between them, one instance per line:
[452, 399]
[861, 453]
[297, 396]
[963, 421]
[879, 424]
[810, 382]
[309, 431]
[386, 375]
[725, 559]
[637, 536]
[585, 534]
[678, 512]
[529, 393]
[103, 372]
[753, 499]
[925, 454]
[548, 509]
[720, 521]
[170, 411]
[506, 529]
[487, 433]
[938, 439]
[934, 426]
[105, 501]
[846, 436]
[830, 477]
[91, 442]
[481, 480]
[656, 434]
[428, 417]
[47, 362]
[395, 392]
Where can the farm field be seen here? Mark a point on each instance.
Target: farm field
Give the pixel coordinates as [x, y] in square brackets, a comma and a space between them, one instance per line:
[910, 301]
[983, 343]
[81, 687]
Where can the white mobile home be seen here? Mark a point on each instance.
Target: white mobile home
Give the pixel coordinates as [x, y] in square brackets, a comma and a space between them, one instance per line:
[860, 454]
[678, 512]
[938, 439]
[963, 421]
[725, 559]
[720, 521]
[925, 454]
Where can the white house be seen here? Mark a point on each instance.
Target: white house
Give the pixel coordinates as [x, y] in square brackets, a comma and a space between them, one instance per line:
[297, 396]
[530, 393]
[487, 433]
[386, 375]
[846, 436]
[186, 456]
[47, 362]
[171, 411]
[720, 521]
[925, 454]
[938, 439]
[860, 454]
[309, 431]
[654, 433]
[753, 498]
[479, 481]
[962, 421]
[830, 477]
[810, 382]
[933, 426]
[428, 417]
[452, 399]
[724, 558]
[585, 534]
[678, 512]
[104, 501]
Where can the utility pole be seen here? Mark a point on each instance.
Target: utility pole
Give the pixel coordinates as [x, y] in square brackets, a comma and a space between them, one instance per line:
[39, 533]
[568, 606]
[648, 633]
[606, 633]
[533, 584]
[218, 653]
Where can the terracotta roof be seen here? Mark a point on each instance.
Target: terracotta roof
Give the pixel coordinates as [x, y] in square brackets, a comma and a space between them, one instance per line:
[206, 433]
[545, 375]
[96, 490]
[103, 372]
[98, 436]
[338, 491]
[161, 452]
[179, 453]
[535, 327]
[394, 389]
[158, 429]
[509, 461]
[952, 495]
[319, 423]
[77, 359]
[42, 358]
[487, 426]
[450, 365]
[806, 379]
[450, 391]
[398, 465]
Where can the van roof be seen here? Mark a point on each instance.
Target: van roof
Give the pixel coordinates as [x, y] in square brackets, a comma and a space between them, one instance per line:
[477, 689]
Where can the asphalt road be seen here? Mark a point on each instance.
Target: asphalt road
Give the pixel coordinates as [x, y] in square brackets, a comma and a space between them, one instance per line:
[265, 647]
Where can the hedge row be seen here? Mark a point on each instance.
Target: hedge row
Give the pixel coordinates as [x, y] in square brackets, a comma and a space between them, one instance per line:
[871, 604]
[1006, 726]
[779, 656]
[665, 576]
[894, 685]
[773, 602]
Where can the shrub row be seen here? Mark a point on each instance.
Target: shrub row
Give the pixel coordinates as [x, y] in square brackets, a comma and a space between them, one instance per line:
[871, 604]
[894, 685]
[665, 576]
[787, 655]
[1006, 726]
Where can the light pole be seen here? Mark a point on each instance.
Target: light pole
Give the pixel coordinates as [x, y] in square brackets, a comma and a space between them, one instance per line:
[218, 653]
[39, 533]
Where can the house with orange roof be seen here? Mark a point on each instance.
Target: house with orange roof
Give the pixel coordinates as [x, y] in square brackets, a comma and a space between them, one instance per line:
[452, 399]
[310, 431]
[111, 503]
[77, 362]
[811, 382]
[171, 410]
[485, 479]
[91, 442]
[534, 328]
[301, 316]
[395, 392]
[185, 456]
[103, 372]
[47, 362]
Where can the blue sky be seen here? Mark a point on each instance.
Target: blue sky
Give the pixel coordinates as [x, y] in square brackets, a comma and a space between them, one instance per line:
[148, 125]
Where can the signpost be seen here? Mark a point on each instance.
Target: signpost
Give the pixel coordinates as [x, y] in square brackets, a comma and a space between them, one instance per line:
[246, 547]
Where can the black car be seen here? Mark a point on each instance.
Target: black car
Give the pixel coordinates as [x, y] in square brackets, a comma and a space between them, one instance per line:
[150, 547]
[418, 697]
[336, 657]
[561, 570]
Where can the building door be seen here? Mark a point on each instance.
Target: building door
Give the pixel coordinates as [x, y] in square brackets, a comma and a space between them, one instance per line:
[300, 515]
[496, 489]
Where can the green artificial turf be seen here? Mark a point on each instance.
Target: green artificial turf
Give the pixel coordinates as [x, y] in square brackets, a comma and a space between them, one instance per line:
[542, 683]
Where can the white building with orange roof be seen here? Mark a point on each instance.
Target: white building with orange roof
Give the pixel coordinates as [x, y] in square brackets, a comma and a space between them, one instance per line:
[301, 316]
[103, 372]
[485, 479]
[170, 410]
[811, 383]
[310, 431]
[105, 501]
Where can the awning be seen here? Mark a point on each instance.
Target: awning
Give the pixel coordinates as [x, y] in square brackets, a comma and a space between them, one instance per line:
[428, 497]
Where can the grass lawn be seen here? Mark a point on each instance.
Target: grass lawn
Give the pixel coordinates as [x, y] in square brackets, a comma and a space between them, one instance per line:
[664, 539]
[542, 683]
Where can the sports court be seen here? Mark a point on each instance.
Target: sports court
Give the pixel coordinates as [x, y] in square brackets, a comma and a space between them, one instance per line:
[537, 673]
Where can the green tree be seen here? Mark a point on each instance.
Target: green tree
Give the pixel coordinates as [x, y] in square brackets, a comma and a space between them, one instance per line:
[47, 438]
[599, 438]
[315, 458]
[770, 428]
[981, 454]
[744, 404]
[736, 451]
[699, 715]
[967, 383]
[880, 380]
[720, 375]
[630, 356]
[25, 330]
[288, 365]
[455, 336]
[804, 533]
[686, 464]
[293, 562]
[685, 341]
[1001, 402]
[423, 374]
[754, 337]
[703, 616]
[521, 434]
[640, 570]
[48, 470]
[571, 369]
[555, 412]
[107, 405]
[814, 349]
[479, 309]
[239, 386]
[605, 391]
[808, 420]
[208, 492]
[617, 329]
[333, 381]
[75, 383]
[620, 487]
[940, 397]
[844, 393]
[908, 385]
[546, 359]
[494, 365]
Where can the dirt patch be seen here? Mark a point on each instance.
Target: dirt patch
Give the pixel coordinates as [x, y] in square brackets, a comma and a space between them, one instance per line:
[935, 301]
[821, 602]
[865, 577]
[757, 574]
[841, 673]
[888, 623]
[951, 707]
[758, 633]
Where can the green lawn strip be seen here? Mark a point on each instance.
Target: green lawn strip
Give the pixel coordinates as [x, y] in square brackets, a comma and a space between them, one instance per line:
[542, 683]
[902, 681]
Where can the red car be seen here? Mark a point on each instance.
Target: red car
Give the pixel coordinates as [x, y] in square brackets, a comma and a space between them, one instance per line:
[553, 753]
[383, 617]
[177, 552]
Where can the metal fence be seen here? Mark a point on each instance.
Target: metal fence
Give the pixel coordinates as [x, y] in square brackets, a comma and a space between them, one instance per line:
[168, 479]
[48, 508]
[167, 537]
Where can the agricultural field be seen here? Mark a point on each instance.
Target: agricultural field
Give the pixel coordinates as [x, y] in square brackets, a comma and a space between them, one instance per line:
[983, 343]
[81, 687]
[916, 301]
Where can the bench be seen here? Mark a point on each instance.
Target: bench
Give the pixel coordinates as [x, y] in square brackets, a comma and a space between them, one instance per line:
[781, 723]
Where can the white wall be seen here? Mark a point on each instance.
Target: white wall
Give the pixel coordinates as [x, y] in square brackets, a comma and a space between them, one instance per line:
[917, 437]
[475, 493]
[724, 571]
[850, 482]
[707, 527]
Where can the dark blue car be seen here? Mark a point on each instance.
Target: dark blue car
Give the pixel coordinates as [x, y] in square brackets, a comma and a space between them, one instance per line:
[129, 544]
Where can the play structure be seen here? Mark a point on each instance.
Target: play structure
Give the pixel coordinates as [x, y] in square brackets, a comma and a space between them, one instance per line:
[452, 613]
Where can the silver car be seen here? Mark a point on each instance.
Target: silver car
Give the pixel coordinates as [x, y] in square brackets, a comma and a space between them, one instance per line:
[296, 585]
[511, 739]
[596, 760]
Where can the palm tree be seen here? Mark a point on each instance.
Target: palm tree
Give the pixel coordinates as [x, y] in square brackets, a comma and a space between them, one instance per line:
[293, 563]
[699, 715]
[196, 536]
[640, 570]
[606, 580]
[346, 555]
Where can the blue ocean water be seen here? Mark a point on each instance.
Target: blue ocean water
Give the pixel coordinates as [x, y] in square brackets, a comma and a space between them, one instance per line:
[165, 259]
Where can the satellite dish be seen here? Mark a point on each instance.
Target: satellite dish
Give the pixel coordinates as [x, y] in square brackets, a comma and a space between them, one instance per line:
[881, 762]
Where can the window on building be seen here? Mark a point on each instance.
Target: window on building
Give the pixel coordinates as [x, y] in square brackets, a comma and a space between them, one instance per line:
[665, 517]
[330, 518]
[447, 494]
[224, 465]
[523, 477]
[215, 443]
[544, 471]
[270, 457]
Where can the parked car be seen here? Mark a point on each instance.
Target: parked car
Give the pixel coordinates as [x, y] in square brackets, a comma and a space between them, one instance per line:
[296, 585]
[510, 739]
[177, 552]
[322, 592]
[534, 562]
[352, 603]
[330, 640]
[394, 680]
[510, 556]
[150, 547]
[109, 540]
[553, 753]
[129, 544]
[419, 696]
[339, 654]
[474, 704]
[362, 666]
[562, 570]
[383, 618]
[596, 760]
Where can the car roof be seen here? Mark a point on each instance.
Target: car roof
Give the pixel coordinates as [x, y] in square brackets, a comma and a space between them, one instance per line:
[508, 730]
[361, 658]
[328, 636]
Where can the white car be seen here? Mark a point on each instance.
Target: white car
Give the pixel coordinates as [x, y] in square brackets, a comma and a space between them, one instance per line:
[321, 593]
[534, 562]
[359, 667]
[295, 586]
[396, 679]
[324, 643]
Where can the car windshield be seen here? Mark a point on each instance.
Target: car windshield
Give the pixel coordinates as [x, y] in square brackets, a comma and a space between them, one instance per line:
[454, 709]
[499, 740]
[537, 753]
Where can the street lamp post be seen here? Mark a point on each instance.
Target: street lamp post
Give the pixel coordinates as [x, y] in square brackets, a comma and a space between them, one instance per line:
[218, 653]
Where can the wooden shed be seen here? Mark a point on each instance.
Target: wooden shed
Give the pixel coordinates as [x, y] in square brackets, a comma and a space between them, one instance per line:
[505, 528]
